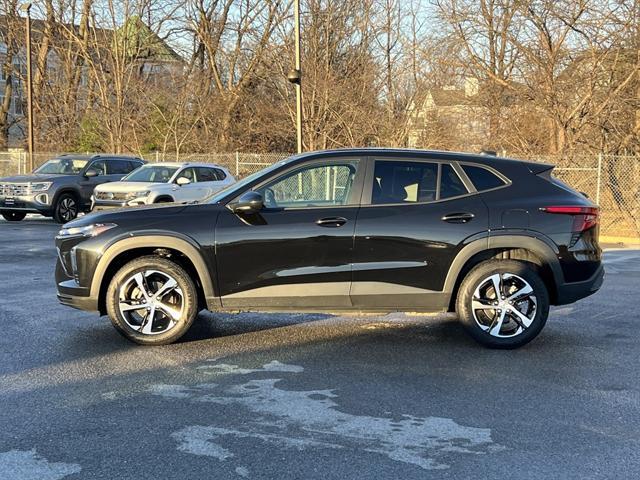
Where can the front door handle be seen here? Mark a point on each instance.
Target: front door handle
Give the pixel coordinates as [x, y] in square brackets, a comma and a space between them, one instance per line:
[462, 217]
[331, 222]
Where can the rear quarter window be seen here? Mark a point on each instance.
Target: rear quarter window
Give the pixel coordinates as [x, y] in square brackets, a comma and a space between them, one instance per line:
[482, 178]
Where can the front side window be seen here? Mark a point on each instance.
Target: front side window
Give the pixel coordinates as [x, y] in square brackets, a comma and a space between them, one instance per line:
[404, 182]
[62, 166]
[189, 174]
[98, 166]
[151, 174]
[311, 186]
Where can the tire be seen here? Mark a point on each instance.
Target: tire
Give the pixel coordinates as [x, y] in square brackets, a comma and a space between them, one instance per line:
[12, 216]
[66, 208]
[477, 296]
[154, 272]
[164, 200]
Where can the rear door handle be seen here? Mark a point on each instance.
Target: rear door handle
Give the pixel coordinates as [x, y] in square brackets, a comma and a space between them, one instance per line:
[331, 222]
[462, 217]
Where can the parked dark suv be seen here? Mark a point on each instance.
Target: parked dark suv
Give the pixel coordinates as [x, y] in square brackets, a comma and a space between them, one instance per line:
[62, 187]
[376, 230]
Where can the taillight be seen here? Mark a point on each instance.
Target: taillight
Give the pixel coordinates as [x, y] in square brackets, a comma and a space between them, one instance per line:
[583, 217]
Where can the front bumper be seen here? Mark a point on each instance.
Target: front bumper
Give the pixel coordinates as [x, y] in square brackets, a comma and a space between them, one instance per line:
[34, 203]
[571, 292]
[99, 205]
[88, 304]
[72, 294]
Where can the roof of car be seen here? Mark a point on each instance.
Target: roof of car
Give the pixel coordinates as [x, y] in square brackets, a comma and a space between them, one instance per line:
[186, 164]
[482, 158]
[108, 156]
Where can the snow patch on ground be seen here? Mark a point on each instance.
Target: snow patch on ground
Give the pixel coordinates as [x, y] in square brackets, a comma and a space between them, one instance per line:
[28, 465]
[311, 419]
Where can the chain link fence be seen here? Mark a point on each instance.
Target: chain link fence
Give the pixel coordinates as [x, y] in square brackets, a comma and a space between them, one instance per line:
[613, 182]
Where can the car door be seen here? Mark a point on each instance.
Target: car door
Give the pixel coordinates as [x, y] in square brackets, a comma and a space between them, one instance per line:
[191, 191]
[416, 215]
[296, 252]
[210, 180]
[87, 184]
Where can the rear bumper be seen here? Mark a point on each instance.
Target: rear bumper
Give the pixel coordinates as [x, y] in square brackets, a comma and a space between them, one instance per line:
[571, 292]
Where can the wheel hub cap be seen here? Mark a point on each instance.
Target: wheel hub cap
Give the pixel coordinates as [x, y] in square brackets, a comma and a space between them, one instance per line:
[504, 305]
[151, 302]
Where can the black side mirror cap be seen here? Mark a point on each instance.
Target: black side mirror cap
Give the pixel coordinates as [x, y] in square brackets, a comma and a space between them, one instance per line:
[249, 202]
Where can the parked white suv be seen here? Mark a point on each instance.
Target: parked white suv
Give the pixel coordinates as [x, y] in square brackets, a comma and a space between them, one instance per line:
[162, 182]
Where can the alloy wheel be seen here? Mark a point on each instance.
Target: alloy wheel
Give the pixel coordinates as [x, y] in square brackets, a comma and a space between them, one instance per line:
[151, 302]
[68, 209]
[504, 305]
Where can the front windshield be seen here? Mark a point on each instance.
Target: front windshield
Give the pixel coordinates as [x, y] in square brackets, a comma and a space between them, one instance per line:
[151, 174]
[62, 166]
[220, 194]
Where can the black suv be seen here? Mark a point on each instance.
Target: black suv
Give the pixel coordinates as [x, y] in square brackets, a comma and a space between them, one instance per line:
[61, 187]
[377, 230]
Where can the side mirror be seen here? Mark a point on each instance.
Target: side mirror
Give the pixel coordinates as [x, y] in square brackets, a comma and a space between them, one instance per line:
[183, 181]
[249, 202]
[92, 172]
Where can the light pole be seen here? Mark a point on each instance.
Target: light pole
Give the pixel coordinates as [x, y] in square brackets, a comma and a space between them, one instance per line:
[26, 7]
[295, 75]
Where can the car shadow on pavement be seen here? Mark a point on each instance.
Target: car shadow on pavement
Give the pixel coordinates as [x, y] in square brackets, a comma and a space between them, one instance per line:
[210, 325]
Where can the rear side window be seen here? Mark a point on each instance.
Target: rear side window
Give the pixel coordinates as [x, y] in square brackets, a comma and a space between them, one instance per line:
[117, 167]
[133, 165]
[450, 183]
[209, 174]
[482, 178]
[404, 182]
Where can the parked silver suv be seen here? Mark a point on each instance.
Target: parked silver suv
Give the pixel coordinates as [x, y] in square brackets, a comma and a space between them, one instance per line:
[62, 187]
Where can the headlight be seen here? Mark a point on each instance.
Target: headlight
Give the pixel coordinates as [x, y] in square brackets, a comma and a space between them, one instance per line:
[88, 231]
[40, 186]
[141, 194]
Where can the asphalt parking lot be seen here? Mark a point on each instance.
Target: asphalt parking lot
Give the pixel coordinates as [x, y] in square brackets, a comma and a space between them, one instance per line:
[312, 396]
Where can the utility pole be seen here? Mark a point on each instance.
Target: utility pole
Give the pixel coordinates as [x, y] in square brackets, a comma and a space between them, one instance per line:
[295, 75]
[26, 7]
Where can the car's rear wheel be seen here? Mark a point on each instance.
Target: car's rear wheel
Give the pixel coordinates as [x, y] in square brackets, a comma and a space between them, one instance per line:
[503, 303]
[152, 301]
[66, 208]
[10, 216]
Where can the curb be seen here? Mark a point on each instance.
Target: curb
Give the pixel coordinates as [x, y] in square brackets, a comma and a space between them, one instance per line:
[623, 241]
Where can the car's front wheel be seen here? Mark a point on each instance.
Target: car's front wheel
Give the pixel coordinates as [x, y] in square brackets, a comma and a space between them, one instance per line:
[503, 303]
[66, 208]
[152, 301]
[10, 216]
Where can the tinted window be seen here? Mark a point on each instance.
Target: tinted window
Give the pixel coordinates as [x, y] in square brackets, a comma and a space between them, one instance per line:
[450, 183]
[315, 185]
[209, 174]
[118, 167]
[482, 178]
[400, 182]
[133, 165]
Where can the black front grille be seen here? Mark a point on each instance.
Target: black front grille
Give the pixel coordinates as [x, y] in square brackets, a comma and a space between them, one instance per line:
[111, 196]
